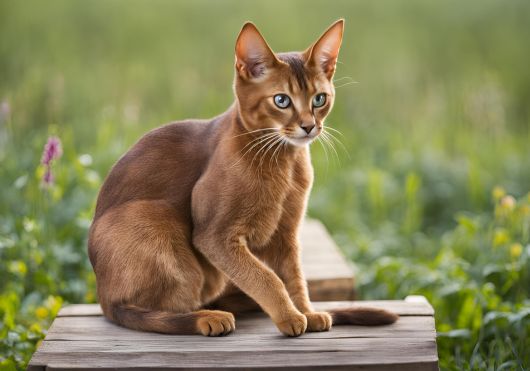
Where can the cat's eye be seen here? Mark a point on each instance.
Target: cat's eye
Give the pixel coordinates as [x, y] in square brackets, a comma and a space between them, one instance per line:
[282, 100]
[319, 100]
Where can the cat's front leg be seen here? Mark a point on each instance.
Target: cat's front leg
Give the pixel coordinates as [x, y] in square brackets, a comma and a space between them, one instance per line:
[231, 255]
[318, 321]
[284, 257]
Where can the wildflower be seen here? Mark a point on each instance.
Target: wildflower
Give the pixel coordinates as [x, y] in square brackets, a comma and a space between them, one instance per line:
[52, 151]
[85, 159]
[500, 237]
[42, 312]
[498, 193]
[516, 250]
[508, 203]
[35, 327]
[48, 176]
[18, 267]
[525, 210]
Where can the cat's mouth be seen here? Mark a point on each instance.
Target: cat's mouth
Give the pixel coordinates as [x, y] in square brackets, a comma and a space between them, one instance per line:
[299, 137]
[301, 141]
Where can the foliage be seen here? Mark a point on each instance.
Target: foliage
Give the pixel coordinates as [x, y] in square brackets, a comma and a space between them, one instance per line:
[428, 195]
[476, 276]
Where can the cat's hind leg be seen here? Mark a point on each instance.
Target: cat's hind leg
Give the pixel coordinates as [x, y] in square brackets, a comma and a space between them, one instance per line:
[148, 275]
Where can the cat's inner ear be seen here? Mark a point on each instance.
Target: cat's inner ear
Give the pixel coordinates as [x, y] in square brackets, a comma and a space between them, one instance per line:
[253, 55]
[324, 52]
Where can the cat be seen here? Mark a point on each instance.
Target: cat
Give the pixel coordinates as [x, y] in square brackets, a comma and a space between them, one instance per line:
[199, 219]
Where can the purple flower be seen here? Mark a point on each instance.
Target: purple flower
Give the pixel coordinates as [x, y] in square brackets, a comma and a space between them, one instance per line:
[52, 150]
[47, 179]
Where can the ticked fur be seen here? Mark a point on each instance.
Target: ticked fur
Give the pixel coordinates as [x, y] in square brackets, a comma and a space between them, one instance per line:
[200, 218]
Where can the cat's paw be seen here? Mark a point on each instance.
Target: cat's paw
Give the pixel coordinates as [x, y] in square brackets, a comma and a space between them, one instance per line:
[318, 321]
[294, 326]
[216, 323]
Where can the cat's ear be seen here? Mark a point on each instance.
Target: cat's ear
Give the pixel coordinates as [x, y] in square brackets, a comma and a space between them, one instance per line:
[324, 52]
[253, 55]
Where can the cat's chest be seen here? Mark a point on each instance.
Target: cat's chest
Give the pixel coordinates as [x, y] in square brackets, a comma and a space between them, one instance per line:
[265, 218]
[273, 198]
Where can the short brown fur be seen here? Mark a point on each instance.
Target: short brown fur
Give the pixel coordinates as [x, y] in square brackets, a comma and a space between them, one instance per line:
[199, 212]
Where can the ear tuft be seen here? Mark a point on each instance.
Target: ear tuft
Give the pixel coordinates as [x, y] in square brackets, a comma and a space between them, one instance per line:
[325, 51]
[253, 55]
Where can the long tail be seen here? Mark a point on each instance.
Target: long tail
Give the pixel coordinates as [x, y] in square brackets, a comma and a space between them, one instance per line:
[363, 316]
[142, 319]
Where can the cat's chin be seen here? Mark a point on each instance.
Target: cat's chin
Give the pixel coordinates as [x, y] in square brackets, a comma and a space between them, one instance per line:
[300, 142]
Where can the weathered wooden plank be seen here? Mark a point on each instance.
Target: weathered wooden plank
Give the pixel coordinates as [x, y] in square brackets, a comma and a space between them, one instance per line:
[416, 366]
[362, 354]
[248, 327]
[403, 308]
[223, 344]
[329, 275]
[77, 342]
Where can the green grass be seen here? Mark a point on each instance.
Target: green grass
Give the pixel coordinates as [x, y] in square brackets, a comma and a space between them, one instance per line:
[438, 117]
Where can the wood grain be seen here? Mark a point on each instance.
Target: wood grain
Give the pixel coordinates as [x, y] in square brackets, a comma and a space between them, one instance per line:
[81, 339]
[357, 354]
[250, 327]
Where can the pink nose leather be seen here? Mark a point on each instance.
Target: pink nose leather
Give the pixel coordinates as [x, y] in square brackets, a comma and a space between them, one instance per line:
[307, 127]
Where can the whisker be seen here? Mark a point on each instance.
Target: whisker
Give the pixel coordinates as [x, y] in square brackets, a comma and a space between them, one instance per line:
[320, 140]
[252, 132]
[283, 145]
[256, 139]
[347, 83]
[278, 139]
[342, 78]
[327, 139]
[267, 142]
[263, 145]
[338, 141]
[269, 147]
[335, 130]
[277, 150]
[256, 142]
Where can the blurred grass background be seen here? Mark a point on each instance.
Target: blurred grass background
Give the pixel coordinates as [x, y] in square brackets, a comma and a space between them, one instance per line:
[428, 196]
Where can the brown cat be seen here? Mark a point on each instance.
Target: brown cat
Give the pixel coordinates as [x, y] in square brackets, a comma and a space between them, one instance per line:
[201, 218]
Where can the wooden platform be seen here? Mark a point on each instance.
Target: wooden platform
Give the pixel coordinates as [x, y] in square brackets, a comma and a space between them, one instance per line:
[329, 275]
[81, 339]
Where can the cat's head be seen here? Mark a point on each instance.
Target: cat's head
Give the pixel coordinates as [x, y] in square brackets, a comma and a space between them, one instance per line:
[290, 93]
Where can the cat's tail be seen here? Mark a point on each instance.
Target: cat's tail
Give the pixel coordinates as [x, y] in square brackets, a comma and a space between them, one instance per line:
[142, 319]
[363, 316]
[205, 322]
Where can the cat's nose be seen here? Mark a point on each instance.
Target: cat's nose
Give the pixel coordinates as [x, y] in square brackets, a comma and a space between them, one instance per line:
[307, 126]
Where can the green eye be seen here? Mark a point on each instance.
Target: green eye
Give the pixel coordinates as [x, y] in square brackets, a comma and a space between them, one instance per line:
[282, 100]
[319, 100]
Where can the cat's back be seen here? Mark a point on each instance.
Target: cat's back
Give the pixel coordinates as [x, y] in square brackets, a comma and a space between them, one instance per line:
[164, 164]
